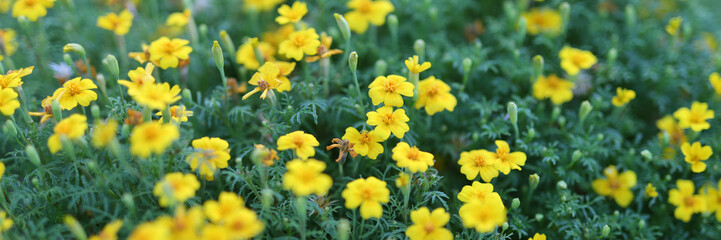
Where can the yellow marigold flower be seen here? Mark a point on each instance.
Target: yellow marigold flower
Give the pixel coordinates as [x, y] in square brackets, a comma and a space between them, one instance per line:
[266, 155]
[403, 180]
[477, 192]
[715, 80]
[150, 231]
[214, 232]
[167, 53]
[8, 101]
[574, 60]
[366, 143]
[32, 9]
[429, 225]
[695, 154]
[265, 80]
[7, 223]
[484, 216]
[673, 25]
[118, 23]
[412, 158]
[5, 5]
[508, 160]
[538, 236]
[713, 200]
[414, 65]
[557, 89]
[388, 121]
[138, 78]
[104, 133]
[291, 15]
[143, 56]
[694, 118]
[209, 155]
[477, 162]
[709, 40]
[175, 188]
[388, 90]
[227, 203]
[299, 43]
[367, 193]
[305, 177]
[243, 224]
[669, 125]
[623, 96]
[246, 54]
[286, 68]
[178, 19]
[74, 92]
[8, 41]
[367, 11]
[650, 191]
[185, 223]
[13, 79]
[72, 127]
[261, 5]
[109, 232]
[47, 112]
[178, 114]
[156, 96]
[152, 137]
[543, 20]
[324, 50]
[435, 95]
[685, 201]
[275, 37]
[302, 143]
[615, 185]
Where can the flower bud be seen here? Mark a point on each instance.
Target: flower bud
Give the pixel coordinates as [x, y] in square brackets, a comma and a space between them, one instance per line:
[267, 197]
[513, 113]
[100, 78]
[537, 66]
[509, 10]
[630, 15]
[68, 59]
[75, 227]
[187, 96]
[420, 47]
[67, 145]
[203, 30]
[504, 227]
[343, 26]
[57, 110]
[218, 55]
[32, 154]
[343, 229]
[125, 130]
[554, 114]
[239, 162]
[612, 55]
[10, 129]
[467, 64]
[227, 41]
[641, 224]
[515, 203]
[76, 48]
[95, 111]
[606, 230]
[533, 181]
[576, 156]
[562, 184]
[584, 110]
[565, 10]
[381, 67]
[433, 13]
[128, 201]
[112, 64]
[393, 24]
[531, 133]
[647, 154]
[521, 28]
[353, 61]
[36, 183]
[539, 217]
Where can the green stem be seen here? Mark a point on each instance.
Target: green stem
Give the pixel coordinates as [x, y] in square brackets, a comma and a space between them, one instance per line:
[360, 99]
[300, 203]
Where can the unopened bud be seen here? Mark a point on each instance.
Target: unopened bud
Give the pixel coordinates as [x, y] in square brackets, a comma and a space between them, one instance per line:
[353, 61]
[513, 113]
[565, 10]
[504, 227]
[128, 201]
[606, 230]
[381, 67]
[539, 217]
[218, 55]
[533, 180]
[68, 59]
[10, 129]
[612, 55]
[32, 154]
[100, 79]
[467, 64]
[343, 26]
[420, 47]
[630, 15]
[393, 24]
[584, 110]
[521, 28]
[76, 48]
[562, 184]
[187, 96]
[647, 154]
[36, 183]
[537, 66]
[641, 224]
[203, 30]
[576, 156]
[112, 64]
[531, 133]
[343, 229]
[267, 198]
[227, 41]
[95, 111]
[75, 227]
[515, 203]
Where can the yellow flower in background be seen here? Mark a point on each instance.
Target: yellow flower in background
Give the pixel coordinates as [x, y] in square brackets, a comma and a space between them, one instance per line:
[387, 121]
[47, 112]
[669, 125]
[435, 95]
[104, 133]
[184, 223]
[403, 180]
[7, 223]
[2, 169]
[483, 216]
[152, 137]
[109, 232]
[412, 158]
[167, 53]
[365, 143]
[673, 25]
[209, 155]
[8, 101]
[266, 155]
[713, 200]
[138, 78]
[616, 186]
[265, 80]
[243, 224]
[574, 60]
[324, 50]
[367, 12]
[543, 20]
[685, 201]
[278, 35]
[623, 96]
[175, 188]
[118, 23]
[477, 162]
[715, 80]
[76, 91]
[388, 90]
[5, 5]
[709, 40]
[508, 160]
[72, 127]
[9, 42]
[13, 79]
[227, 203]
[538, 236]
[557, 89]
[178, 114]
[178, 19]
[291, 14]
[477, 192]
[261, 5]
[150, 231]
[650, 191]
[415, 66]
[305, 177]
[143, 56]
[302, 143]
[429, 225]
[695, 154]
[286, 68]
[246, 54]
[299, 43]
[32, 9]
[156, 96]
[694, 118]
[367, 193]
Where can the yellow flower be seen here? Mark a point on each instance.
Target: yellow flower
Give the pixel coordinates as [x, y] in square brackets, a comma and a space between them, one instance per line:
[367, 193]
[109, 232]
[32, 9]
[104, 133]
[243, 224]
[47, 112]
[178, 19]
[301, 142]
[143, 56]
[286, 68]
[623, 96]
[669, 125]
[209, 155]
[5, 5]
[6, 222]
[694, 118]
[324, 50]
[13, 79]
[167, 53]
[367, 11]
[477, 162]
[275, 37]
[261, 5]
[118, 23]
[574, 60]
[543, 20]
[388, 90]
[227, 203]
[414, 65]
[538, 236]
[150, 231]
[138, 78]
[477, 192]
[72, 127]
[673, 25]
[388, 121]
[8, 41]
[299, 43]
[246, 54]
[685, 201]
[305, 177]
[291, 15]
[651, 191]
[412, 158]
[715, 80]
[484, 216]
[2, 169]
[156, 96]
[175, 188]
[508, 160]
[8, 101]
[713, 200]
[152, 137]
[178, 114]
[74, 92]
[558, 89]
[403, 180]
[616, 186]
[429, 225]
[185, 223]
[265, 80]
[214, 232]
[266, 155]
[695, 154]
[435, 95]
[366, 143]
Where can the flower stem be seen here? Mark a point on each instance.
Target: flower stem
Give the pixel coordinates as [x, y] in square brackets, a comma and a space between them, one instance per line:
[357, 87]
[300, 205]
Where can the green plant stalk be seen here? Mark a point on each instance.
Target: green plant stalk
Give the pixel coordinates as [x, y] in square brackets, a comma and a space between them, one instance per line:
[406, 196]
[300, 204]
[362, 228]
[147, 114]
[360, 99]
[167, 115]
[122, 48]
[325, 68]
[122, 96]
[20, 132]
[4, 202]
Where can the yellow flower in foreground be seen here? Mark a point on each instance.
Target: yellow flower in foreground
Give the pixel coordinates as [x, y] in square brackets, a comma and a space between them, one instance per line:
[367, 193]
[364, 143]
[150, 231]
[673, 25]
[388, 90]
[299, 43]
[178, 114]
[435, 95]
[538, 236]
[152, 137]
[109, 232]
[104, 133]
[185, 223]
[175, 188]
[72, 127]
[574, 60]
[74, 92]
[291, 15]
[32, 9]
[715, 80]
[694, 118]
[412, 158]
[6, 223]
[650, 191]
[302, 143]
[246, 54]
[557, 89]
[118, 23]
[477, 162]
[623, 96]
[429, 225]
[261, 5]
[227, 203]
[156, 96]
[209, 155]
[305, 177]
[713, 201]
[616, 186]
[178, 19]
[695, 154]
[139, 78]
[477, 192]
[388, 121]
[543, 20]
[685, 201]
[13, 79]
[415, 66]
[243, 224]
[367, 11]
[167, 53]
[484, 216]
[47, 112]
[214, 232]
[265, 80]
[508, 160]
[8, 101]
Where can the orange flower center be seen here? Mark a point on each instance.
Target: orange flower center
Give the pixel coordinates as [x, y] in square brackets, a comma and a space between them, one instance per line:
[73, 88]
[299, 40]
[390, 86]
[552, 82]
[237, 225]
[365, 138]
[429, 227]
[366, 193]
[365, 7]
[502, 154]
[689, 201]
[179, 224]
[479, 160]
[152, 134]
[578, 59]
[413, 153]
[614, 183]
[168, 48]
[697, 117]
[481, 195]
[298, 141]
[433, 90]
[388, 119]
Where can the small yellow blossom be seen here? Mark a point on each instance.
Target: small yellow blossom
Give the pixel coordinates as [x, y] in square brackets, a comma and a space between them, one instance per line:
[673, 25]
[13, 79]
[214, 232]
[367, 12]
[243, 224]
[477, 192]
[109, 232]
[47, 112]
[32, 9]
[150, 231]
[8, 41]
[8, 101]
[156, 96]
[367, 193]
[695, 154]
[74, 92]
[650, 191]
[178, 114]
[299, 43]
[538, 236]
[104, 133]
[152, 137]
[2, 169]
[175, 188]
[286, 68]
[685, 201]
[209, 155]
[623, 96]
[403, 180]
[302, 143]
[118, 23]
[178, 19]
[324, 50]
[167, 53]
[415, 66]
[483, 216]
[143, 56]
[291, 14]
[557, 89]
[543, 20]
[185, 223]
[616, 186]
[261, 5]
[715, 80]
[246, 54]
[388, 121]
[713, 200]
[477, 162]
[305, 177]
[265, 80]
[72, 127]
[574, 60]
[429, 225]
[508, 160]
[5, 222]
[267, 156]
[412, 158]
[227, 203]
[388, 90]
[138, 78]
[694, 118]
[435, 95]
[669, 125]
[366, 143]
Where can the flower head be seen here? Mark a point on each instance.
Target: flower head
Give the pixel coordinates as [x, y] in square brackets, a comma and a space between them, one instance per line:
[388, 90]
[412, 158]
[265, 80]
[209, 155]
[403, 180]
[367, 11]
[219, 210]
[543, 20]
[305, 177]
[32, 9]
[13, 79]
[365, 143]
[72, 127]
[715, 80]
[104, 133]
[479, 162]
[8, 101]
[435, 95]
[47, 112]
[299, 43]
[139, 78]
[415, 66]
[615, 185]
[175, 188]
[246, 54]
[261, 5]
[538, 236]
[109, 232]
[178, 19]
[152, 137]
[167, 53]
[156, 230]
[118, 23]
[574, 60]
[74, 92]
[8, 42]
[178, 114]
[184, 224]
[670, 126]
[685, 201]
[650, 191]
[429, 225]
[266, 155]
[694, 118]
[5, 222]
[324, 50]
[673, 25]
[302, 143]
[623, 96]
[291, 14]
[286, 68]
[477, 192]
[557, 89]
[143, 56]
[367, 193]
[156, 96]
[243, 224]
[713, 200]
[695, 154]
[388, 121]
[508, 160]
[483, 216]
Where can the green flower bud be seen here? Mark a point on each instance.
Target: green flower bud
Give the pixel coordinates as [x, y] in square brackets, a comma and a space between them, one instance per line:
[125, 130]
[353, 61]
[513, 113]
[554, 114]
[565, 10]
[533, 181]
[32, 154]
[612, 55]
[433, 13]
[539, 217]
[239, 162]
[112, 65]
[227, 41]
[100, 79]
[10, 129]
[562, 121]
[504, 227]
[36, 183]
[647, 154]
[576, 155]
[218, 55]
[630, 15]
[515, 203]
[57, 110]
[537, 66]
[521, 29]
[67, 145]
[467, 64]
[584, 110]
[76, 48]
[420, 47]
[606, 230]
[267, 197]
[343, 26]
[75, 227]
[128, 201]
[510, 10]
[343, 229]
[641, 224]
[95, 111]
[393, 24]
[381, 67]
[531, 133]
[562, 184]
[68, 60]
